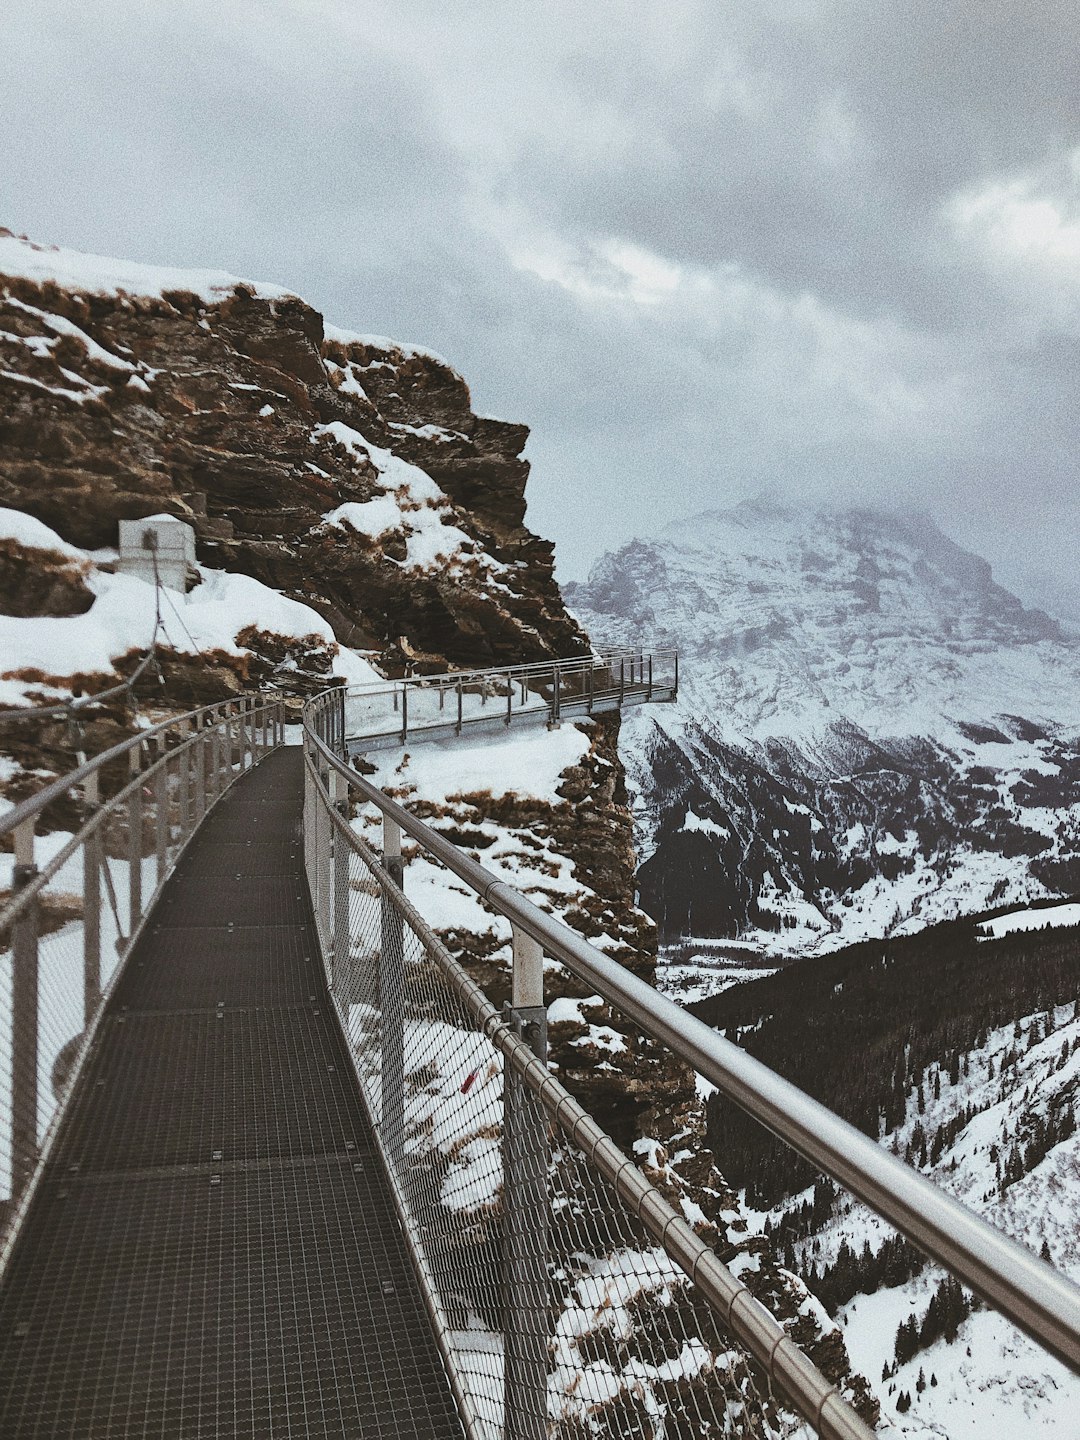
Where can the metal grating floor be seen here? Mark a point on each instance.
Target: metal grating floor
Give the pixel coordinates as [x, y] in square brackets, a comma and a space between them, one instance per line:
[213, 1251]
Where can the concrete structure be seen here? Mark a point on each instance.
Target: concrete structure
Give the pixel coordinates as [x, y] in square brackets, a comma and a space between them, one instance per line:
[162, 539]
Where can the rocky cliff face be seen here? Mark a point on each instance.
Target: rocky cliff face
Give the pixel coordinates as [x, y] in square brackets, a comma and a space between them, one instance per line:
[353, 516]
[872, 734]
[131, 392]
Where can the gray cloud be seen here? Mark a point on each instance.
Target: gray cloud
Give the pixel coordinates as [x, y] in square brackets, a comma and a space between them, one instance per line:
[827, 249]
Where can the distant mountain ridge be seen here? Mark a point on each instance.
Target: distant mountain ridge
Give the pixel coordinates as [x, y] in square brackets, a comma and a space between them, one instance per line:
[872, 734]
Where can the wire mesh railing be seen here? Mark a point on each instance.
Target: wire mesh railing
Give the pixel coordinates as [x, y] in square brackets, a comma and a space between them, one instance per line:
[83, 869]
[569, 1299]
[428, 705]
[1029, 1292]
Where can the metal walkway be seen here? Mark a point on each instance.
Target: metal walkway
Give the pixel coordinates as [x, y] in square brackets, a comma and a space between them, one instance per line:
[213, 1250]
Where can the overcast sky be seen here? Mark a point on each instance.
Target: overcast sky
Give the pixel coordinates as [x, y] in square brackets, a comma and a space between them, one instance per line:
[705, 250]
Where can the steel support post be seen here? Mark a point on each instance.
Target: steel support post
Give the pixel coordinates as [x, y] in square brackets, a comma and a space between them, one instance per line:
[199, 761]
[92, 862]
[556, 713]
[649, 695]
[339, 847]
[183, 780]
[339, 716]
[135, 836]
[242, 727]
[460, 717]
[622, 680]
[228, 746]
[211, 759]
[24, 1020]
[392, 997]
[404, 714]
[509, 698]
[525, 1211]
[161, 819]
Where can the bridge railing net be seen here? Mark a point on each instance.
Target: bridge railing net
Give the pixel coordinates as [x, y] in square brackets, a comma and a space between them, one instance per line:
[557, 1313]
[75, 883]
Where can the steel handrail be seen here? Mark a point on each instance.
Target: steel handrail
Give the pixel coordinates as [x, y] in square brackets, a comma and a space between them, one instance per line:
[33, 805]
[598, 660]
[816, 1397]
[1032, 1294]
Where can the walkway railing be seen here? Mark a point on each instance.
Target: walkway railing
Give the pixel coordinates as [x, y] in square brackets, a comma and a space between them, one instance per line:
[429, 706]
[83, 870]
[568, 1296]
[531, 1228]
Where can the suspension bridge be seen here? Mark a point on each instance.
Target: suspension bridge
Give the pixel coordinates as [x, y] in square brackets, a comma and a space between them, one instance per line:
[275, 1165]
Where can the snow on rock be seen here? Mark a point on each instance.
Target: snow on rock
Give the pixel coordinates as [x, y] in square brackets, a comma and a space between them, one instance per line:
[122, 619]
[99, 274]
[383, 342]
[33, 535]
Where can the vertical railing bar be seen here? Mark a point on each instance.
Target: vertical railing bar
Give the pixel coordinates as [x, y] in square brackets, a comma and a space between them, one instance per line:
[392, 997]
[135, 838]
[161, 818]
[24, 1018]
[92, 851]
[525, 1211]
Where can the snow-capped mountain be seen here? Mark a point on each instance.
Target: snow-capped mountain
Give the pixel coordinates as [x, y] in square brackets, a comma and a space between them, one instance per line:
[871, 733]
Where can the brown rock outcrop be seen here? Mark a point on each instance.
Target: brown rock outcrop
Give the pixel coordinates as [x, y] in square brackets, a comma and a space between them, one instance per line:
[218, 413]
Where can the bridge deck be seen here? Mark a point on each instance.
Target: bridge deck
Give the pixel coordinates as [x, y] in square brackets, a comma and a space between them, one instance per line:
[213, 1250]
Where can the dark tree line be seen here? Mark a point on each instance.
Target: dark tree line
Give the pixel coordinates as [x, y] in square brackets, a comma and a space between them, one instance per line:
[861, 1273]
[864, 1027]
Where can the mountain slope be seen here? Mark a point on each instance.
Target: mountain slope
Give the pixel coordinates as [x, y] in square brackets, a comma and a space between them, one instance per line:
[959, 1048]
[871, 734]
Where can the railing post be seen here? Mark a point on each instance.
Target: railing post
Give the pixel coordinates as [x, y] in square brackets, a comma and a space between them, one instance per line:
[339, 849]
[161, 818]
[24, 1019]
[557, 702]
[392, 997]
[459, 707]
[649, 694]
[525, 1210]
[592, 686]
[622, 679]
[199, 761]
[183, 779]
[509, 698]
[135, 824]
[404, 713]
[213, 738]
[244, 726]
[675, 696]
[92, 861]
[340, 715]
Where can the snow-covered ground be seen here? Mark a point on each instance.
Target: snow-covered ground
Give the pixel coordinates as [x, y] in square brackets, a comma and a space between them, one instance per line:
[991, 1382]
[121, 619]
